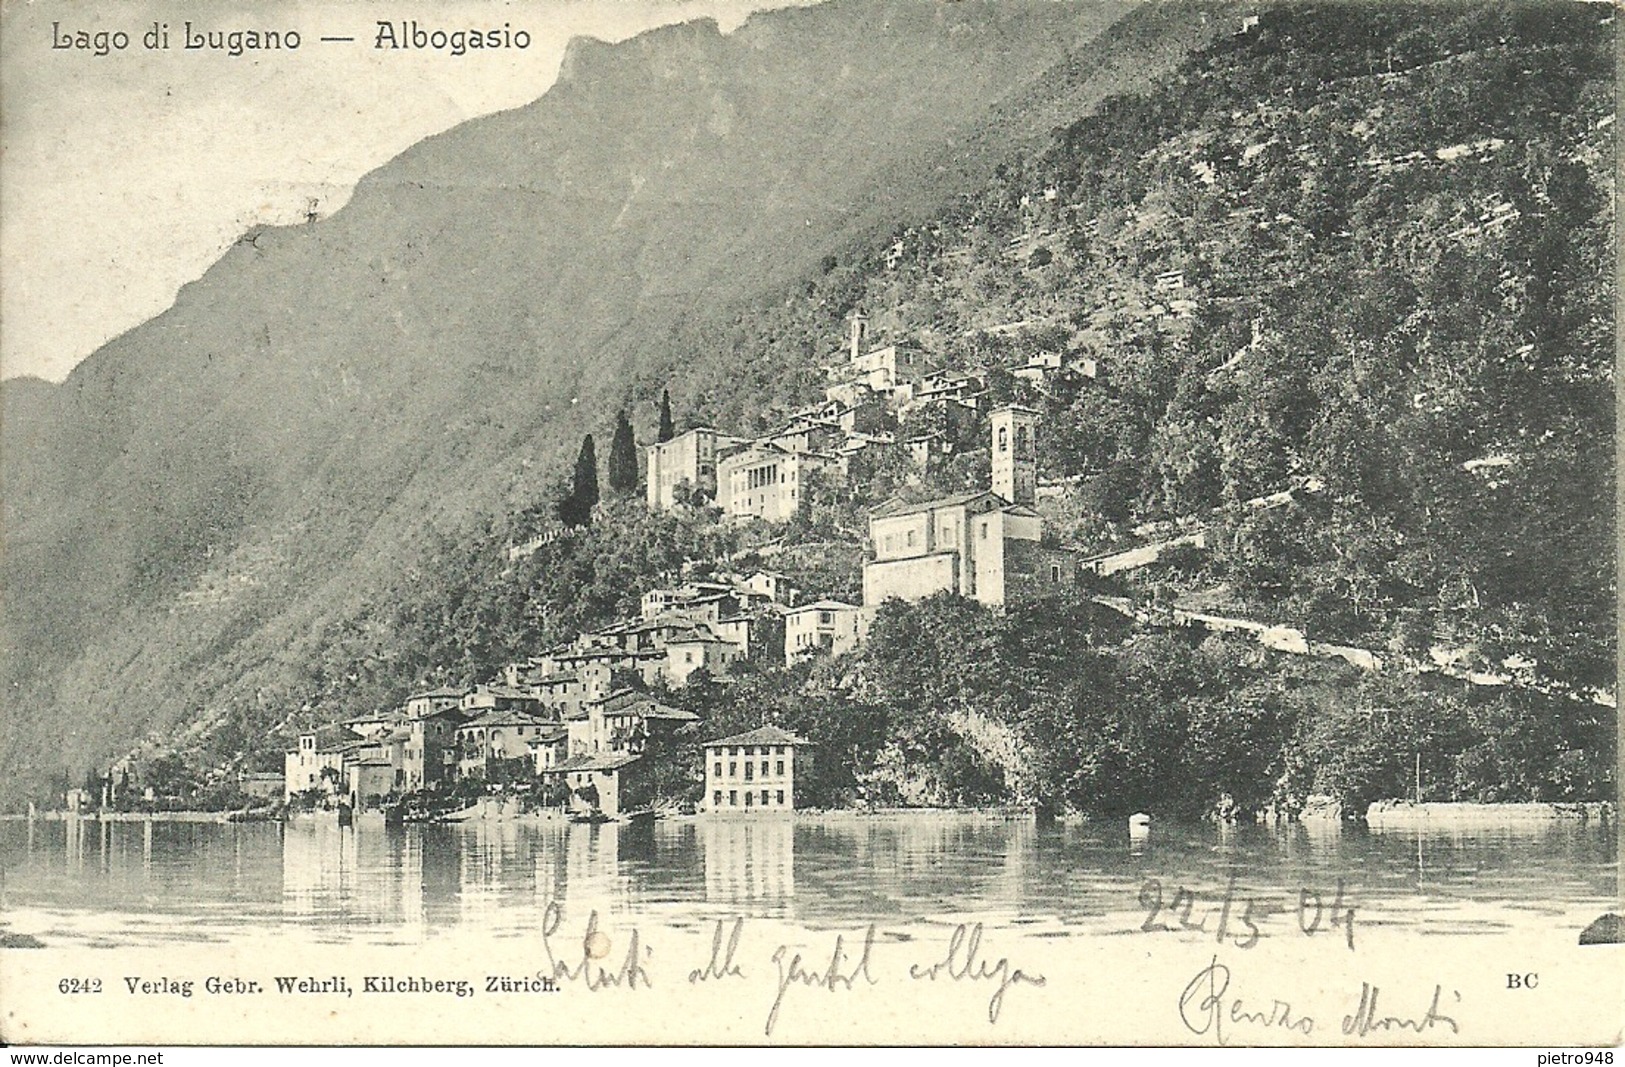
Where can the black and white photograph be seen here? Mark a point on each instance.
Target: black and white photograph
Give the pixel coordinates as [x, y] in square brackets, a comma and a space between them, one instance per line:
[846, 522]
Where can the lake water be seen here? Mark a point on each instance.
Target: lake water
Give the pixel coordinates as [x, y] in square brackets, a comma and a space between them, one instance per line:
[152, 884]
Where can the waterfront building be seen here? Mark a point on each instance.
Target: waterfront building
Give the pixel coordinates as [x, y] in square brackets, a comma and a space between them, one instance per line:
[602, 782]
[429, 756]
[498, 734]
[753, 772]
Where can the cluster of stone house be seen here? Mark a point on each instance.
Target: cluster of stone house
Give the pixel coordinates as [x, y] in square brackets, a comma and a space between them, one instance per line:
[577, 713]
[580, 713]
[871, 392]
[986, 545]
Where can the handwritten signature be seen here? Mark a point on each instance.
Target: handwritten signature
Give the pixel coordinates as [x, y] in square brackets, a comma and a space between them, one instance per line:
[1207, 1008]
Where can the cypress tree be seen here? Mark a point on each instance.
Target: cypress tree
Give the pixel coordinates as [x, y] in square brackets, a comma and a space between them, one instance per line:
[576, 509]
[667, 429]
[623, 456]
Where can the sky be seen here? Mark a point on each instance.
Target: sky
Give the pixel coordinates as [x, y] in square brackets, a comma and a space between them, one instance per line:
[124, 176]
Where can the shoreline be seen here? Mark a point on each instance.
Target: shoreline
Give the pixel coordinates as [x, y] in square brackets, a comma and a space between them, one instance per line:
[1405, 813]
[1381, 813]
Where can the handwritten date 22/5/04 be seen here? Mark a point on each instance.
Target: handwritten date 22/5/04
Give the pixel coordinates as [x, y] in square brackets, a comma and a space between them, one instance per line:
[1236, 917]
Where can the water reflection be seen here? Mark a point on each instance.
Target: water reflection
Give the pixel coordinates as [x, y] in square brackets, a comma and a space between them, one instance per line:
[749, 861]
[179, 880]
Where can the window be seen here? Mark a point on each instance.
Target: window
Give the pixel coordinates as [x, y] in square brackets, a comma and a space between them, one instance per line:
[1004, 439]
[719, 770]
[781, 797]
[778, 768]
[733, 769]
[749, 767]
[1055, 573]
[826, 618]
[911, 539]
[764, 798]
[733, 798]
[983, 533]
[749, 796]
[716, 799]
[764, 768]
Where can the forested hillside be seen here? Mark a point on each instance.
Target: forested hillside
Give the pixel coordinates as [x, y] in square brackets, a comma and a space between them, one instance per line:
[1367, 245]
[197, 513]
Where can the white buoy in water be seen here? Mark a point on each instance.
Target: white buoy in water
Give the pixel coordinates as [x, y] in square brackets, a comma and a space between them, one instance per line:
[1139, 824]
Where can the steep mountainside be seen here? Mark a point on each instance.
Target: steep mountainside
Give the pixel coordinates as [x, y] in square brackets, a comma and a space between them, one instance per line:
[204, 501]
[1365, 254]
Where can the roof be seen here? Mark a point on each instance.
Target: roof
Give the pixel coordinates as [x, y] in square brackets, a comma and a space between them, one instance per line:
[442, 691]
[593, 761]
[548, 737]
[698, 638]
[663, 711]
[824, 605]
[763, 735]
[504, 717]
[634, 702]
[441, 713]
[506, 692]
[754, 448]
[901, 507]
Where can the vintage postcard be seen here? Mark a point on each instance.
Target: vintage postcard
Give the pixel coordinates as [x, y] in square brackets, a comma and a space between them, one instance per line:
[559, 522]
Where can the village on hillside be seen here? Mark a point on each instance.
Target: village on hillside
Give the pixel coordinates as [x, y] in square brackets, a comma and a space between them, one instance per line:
[580, 730]
[583, 720]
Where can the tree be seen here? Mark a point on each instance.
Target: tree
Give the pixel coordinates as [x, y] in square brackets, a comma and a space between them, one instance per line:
[668, 430]
[623, 456]
[576, 509]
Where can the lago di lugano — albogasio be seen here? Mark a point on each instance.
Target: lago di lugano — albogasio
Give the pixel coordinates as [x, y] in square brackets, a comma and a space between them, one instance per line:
[405, 35]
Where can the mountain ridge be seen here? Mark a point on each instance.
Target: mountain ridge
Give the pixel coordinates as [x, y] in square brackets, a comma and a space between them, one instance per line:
[428, 361]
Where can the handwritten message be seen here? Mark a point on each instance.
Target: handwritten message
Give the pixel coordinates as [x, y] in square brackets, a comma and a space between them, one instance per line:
[778, 975]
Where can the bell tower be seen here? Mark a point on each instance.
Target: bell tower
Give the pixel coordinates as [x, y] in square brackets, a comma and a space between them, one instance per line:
[1015, 453]
[859, 336]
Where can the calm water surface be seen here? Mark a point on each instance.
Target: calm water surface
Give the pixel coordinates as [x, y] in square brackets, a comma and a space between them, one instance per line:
[161, 883]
